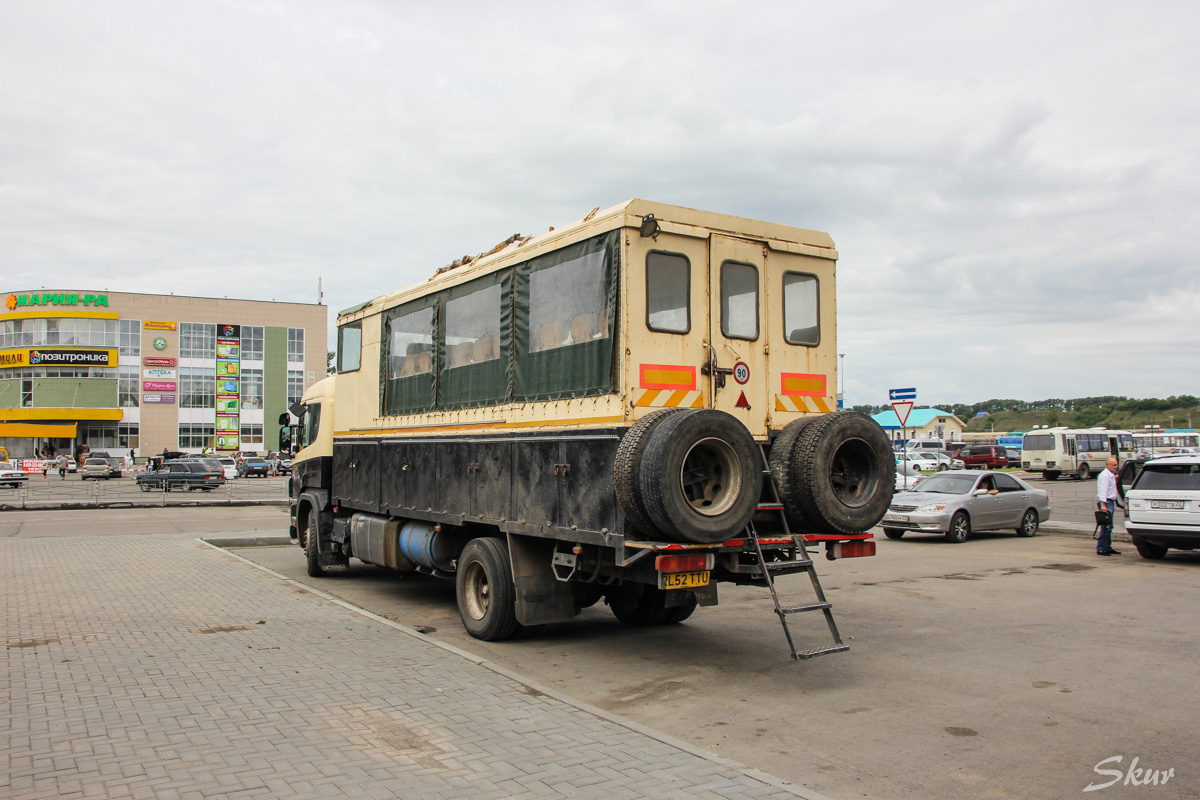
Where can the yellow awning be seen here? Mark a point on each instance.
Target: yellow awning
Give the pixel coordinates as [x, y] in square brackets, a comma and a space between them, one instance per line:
[60, 414]
[28, 430]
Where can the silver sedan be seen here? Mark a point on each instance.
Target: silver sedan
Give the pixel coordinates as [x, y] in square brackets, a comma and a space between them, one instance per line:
[959, 502]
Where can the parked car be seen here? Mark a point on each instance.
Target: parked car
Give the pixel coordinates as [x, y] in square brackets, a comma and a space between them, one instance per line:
[907, 475]
[228, 467]
[10, 476]
[984, 456]
[1184, 451]
[958, 503]
[254, 466]
[931, 462]
[116, 466]
[95, 469]
[1162, 506]
[186, 475]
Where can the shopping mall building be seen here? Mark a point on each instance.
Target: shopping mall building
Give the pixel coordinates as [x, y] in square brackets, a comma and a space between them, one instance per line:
[117, 371]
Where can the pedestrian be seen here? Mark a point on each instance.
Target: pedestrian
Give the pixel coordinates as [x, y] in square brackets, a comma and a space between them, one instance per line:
[46, 469]
[1106, 501]
[63, 461]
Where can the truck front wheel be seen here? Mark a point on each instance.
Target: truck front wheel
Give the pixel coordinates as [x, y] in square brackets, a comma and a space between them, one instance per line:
[484, 586]
[311, 543]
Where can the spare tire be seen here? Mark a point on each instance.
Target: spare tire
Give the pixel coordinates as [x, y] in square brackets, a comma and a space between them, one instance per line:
[701, 476]
[627, 470]
[836, 475]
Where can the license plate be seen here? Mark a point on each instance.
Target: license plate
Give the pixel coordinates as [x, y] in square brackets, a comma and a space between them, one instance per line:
[895, 517]
[682, 580]
[1172, 504]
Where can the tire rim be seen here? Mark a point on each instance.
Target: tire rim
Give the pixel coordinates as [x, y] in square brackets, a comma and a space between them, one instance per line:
[477, 590]
[1030, 524]
[960, 528]
[853, 473]
[711, 477]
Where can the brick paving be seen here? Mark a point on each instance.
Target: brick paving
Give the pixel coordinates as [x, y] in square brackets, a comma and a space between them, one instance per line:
[158, 667]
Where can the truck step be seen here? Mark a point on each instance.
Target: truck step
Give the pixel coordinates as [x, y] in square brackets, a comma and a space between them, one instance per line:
[805, 607]
[820, 651]
[789, 566]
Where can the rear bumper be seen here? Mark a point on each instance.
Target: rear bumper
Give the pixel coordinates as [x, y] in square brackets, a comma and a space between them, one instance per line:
[1181, 538]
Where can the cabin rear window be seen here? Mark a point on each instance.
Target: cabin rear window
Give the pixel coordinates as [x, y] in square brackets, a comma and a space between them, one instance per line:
[739, 300]
[668, 287]
[801, 320]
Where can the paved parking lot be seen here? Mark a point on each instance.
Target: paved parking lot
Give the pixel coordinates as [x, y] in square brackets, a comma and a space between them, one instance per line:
[157, 666]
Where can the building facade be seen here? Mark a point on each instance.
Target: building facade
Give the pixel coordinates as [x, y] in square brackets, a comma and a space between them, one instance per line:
[922, 423]
[118, 371]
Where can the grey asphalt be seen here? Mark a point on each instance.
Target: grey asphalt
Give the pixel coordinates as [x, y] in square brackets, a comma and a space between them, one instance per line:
[155, 665]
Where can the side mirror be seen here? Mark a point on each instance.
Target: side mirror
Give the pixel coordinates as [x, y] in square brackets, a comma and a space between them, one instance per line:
[285, 418]
[285, 438]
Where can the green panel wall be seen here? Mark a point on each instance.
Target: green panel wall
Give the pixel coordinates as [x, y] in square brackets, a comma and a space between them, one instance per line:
[274, 383]
[10, 393]
[75, 392]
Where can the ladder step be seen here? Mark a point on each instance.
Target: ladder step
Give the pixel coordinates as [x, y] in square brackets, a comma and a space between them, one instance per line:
[788, 566]
[805, 607]
[820, 651]
[770, 506]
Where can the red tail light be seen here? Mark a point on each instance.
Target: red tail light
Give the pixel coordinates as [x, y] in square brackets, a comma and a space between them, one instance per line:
[691, 562]
[855, 549]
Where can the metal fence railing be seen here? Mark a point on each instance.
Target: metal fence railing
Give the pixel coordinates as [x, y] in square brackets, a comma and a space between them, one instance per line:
[39, 492]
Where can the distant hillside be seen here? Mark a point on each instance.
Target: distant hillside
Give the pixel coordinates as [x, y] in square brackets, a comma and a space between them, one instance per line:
[1086, 412]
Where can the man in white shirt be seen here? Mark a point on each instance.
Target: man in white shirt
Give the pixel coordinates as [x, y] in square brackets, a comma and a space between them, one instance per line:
[1106, 500]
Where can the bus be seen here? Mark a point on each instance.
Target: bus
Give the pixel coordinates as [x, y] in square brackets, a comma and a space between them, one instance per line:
[589, 414]
[1162, 442]
[1080, 453]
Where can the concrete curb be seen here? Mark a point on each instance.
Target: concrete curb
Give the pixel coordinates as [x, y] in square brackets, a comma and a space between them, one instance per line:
[535, 687]
[274, 540]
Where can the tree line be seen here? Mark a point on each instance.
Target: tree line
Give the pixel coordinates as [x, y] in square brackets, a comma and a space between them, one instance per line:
[1099, 407]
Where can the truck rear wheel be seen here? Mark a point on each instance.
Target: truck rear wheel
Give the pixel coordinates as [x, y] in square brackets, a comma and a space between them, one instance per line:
[701, 476]
[484, 586]
[837, 475]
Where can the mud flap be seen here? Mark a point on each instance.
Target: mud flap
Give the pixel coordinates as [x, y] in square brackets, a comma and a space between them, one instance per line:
[540, 598]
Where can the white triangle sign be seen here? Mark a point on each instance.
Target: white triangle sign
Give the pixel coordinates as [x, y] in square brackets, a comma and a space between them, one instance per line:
[902, 411]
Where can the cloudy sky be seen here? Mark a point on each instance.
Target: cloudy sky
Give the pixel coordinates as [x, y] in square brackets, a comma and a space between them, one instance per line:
[1012, 186]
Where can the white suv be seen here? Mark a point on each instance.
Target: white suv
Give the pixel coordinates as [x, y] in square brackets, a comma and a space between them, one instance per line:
[1163, 506]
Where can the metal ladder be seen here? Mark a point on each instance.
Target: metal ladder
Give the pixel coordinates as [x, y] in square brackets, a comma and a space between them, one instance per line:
[803, 563]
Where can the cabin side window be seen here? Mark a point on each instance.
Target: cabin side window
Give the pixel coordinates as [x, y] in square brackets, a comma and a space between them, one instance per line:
[475, 343]
[668, 287]
[408, 357]
[349, 357]
[568, 303]
[801, 309]
[563, 317]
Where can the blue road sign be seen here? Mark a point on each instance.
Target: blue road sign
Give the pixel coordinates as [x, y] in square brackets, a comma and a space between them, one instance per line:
[902, 394]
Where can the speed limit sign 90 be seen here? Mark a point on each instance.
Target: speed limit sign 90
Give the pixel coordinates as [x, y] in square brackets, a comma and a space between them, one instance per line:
[741, 373]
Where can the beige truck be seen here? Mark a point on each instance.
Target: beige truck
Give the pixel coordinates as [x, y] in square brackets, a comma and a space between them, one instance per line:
[633, 408]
